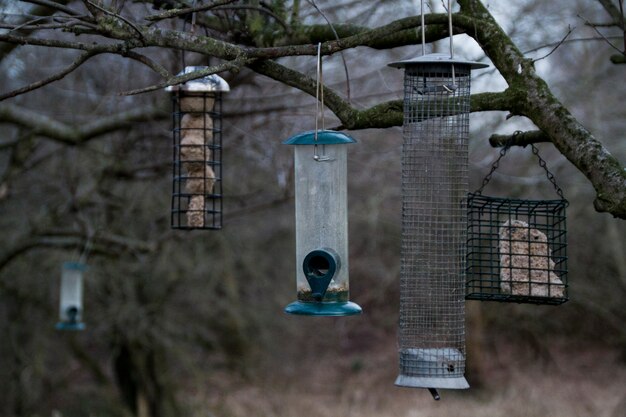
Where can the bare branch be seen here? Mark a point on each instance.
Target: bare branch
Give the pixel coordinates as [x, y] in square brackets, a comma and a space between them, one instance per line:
[117, 16]
[518, 139]
[70, 135]
[181, 12]
[230, 65]
[600, 33]
[55, 5]
[55, 77]
[569, 32]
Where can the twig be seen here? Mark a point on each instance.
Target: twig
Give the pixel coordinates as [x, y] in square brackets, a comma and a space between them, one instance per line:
[117, 16]
[600, 33]
[155, 66]
[258, 9]
[55, 6]
[180, 12]
[549, 45]
[569, 32]
[230, 65]
[33, 86]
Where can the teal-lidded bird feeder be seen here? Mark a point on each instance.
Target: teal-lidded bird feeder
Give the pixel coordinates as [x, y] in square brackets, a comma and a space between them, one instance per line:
[434, 221]
[197, 157]
[322, 276]
[71, 299]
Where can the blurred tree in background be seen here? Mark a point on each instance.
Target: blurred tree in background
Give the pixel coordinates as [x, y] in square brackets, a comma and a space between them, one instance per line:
[84, 167]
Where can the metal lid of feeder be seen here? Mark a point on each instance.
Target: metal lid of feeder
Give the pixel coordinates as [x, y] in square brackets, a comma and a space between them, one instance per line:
[208, 84]
[324, 137]
[436, 59]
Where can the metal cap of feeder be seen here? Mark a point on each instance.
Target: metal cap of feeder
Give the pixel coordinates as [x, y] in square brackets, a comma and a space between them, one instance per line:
[208, 84]
[437, 58]
[324, 137]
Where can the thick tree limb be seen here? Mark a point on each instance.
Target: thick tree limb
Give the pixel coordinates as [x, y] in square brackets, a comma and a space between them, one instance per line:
[538, 103]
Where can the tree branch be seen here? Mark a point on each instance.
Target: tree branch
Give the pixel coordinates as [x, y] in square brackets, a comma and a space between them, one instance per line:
[518, 139]
[538, 103]
[60, 132]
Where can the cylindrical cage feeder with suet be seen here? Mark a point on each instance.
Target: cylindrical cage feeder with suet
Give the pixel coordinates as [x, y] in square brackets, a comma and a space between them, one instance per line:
[197, 156]
[434, 187]
[71, 297]
[322, 279]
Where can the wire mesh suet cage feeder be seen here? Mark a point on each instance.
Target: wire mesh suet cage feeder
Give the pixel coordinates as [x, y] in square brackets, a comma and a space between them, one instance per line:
[517, 249]
[322, 279]
[197, 156]
[434, 187]
[71, 297]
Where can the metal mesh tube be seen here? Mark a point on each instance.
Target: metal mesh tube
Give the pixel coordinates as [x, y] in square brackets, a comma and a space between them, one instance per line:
[434, 188]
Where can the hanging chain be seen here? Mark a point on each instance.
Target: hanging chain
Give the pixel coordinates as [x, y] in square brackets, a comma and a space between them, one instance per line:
[549, 175]
[535, 151]
[495, 165]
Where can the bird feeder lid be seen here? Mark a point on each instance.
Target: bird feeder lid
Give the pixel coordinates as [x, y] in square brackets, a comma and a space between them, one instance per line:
[208, 84]
[76, 266]
[436, 59]
[324, 137]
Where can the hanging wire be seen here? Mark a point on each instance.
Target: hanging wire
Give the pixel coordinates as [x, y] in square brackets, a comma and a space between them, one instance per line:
[319, 105]
[423, 29]
[450, 30]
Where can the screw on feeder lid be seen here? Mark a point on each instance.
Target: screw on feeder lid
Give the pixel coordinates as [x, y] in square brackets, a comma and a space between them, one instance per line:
[324, 137]
[436, 59]
[208, 84]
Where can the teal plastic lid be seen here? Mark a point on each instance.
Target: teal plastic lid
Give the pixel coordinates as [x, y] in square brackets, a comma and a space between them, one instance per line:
[324, 137]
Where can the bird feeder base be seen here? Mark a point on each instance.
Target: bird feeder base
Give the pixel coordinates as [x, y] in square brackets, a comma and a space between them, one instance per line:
[323, 309]
[427, 382]
[70, 326]
[432, 368]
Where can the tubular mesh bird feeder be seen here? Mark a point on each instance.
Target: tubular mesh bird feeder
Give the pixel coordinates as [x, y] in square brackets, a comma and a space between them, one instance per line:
[197, 162]
[517, 248]
[434, 187]
[322, 279]
[71, 299]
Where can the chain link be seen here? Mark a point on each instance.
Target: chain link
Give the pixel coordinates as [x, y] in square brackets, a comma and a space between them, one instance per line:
[535, 151]
[549, 175]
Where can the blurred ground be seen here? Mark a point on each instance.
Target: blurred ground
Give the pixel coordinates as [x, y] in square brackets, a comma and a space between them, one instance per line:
[518, 382]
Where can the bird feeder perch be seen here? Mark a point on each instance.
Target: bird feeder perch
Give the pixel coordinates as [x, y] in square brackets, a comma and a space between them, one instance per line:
[197, 156]
[71, 300]
[322, 279]
[434, 187]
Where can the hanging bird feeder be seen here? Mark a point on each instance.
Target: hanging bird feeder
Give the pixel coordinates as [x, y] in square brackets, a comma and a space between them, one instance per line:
[71, 300]
[321, 177]
[434, 187]
[517, 248]
[320, 160]
[197, 156]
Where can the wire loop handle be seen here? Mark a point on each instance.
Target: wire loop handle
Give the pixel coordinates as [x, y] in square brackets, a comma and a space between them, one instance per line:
[542, 164]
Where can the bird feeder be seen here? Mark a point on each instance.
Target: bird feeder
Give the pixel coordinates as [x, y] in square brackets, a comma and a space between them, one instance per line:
[197, 156]
[322, 279]
[71, 300]
[517, 247]
[434, 187]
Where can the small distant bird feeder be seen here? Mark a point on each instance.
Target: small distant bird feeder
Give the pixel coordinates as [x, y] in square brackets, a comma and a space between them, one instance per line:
[434, 187]
[320, 160]
[517, 248]
[197, 156]
[71, 299]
